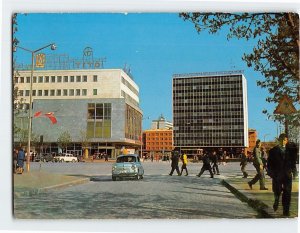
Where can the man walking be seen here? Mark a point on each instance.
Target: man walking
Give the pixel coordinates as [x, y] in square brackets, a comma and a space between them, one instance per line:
[214, 160]
[184, 163]
[258, 164]
[206, 165]
[243, 164]
[174, 163]
[281, 164]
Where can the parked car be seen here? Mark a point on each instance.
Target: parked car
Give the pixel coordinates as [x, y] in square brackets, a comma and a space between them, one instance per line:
[65, 157]
[127, 166]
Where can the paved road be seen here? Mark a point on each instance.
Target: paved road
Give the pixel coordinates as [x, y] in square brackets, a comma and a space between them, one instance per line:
[158, 195]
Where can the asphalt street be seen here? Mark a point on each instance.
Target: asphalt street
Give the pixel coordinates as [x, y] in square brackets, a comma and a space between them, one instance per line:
[157, 196]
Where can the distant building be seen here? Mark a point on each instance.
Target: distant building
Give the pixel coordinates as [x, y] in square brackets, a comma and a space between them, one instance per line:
[158, 141]
[252, 134]
[161, 123]
[210, 111]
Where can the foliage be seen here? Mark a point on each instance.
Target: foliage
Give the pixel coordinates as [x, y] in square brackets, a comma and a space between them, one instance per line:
[64, 139]
[276, 54]
[84, 139]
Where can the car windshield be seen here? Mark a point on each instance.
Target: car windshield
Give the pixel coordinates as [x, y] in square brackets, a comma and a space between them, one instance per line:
[124, 159]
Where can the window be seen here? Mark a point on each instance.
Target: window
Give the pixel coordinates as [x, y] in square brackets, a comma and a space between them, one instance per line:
[59, 79]
[71, 79]
[27, 79]
[77, 92]
[65, 92]
[21, 92]
[34, 79]
[84, 92]
[94, 91]
[46, 79]
[58, 92]
[40, 79]
[46, 92]
[53, 79]
[78, 78]
[84, 78]
[21, 79]
[95, 77]
[71, 92]
[27, 93]
[52, 92]
[98, 125]
[40, 92]
[16, 79]
[33, 92]
[66, 78]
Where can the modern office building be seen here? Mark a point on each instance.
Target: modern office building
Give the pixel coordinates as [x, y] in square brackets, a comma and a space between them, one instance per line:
[161, 123]
[210, 111]
[98, 108]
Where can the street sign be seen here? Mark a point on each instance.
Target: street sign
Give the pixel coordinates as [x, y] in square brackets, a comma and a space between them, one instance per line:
[285, 106]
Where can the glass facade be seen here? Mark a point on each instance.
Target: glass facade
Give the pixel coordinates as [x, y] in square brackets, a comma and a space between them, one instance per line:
[99, 120]
[209, 111]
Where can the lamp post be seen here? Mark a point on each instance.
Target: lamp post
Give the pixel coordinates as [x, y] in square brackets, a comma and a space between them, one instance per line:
[53, 47]
[142, 135]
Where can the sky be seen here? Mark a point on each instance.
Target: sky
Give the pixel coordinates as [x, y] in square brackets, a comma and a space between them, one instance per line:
[155, 46]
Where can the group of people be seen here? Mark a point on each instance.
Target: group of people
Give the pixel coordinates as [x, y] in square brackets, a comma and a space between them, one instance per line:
[210, 163]
[280, 165]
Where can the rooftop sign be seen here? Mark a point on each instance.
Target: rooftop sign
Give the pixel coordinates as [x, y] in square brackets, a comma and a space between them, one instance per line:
[64, 62]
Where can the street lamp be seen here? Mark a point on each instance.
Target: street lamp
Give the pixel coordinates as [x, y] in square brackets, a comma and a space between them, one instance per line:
[53, 47]
[142, 135]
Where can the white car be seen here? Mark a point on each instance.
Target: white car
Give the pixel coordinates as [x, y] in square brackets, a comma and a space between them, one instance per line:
[66, 158]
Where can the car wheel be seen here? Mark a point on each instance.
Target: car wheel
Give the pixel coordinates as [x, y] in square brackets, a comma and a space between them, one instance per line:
[62, 160]
[73, 161]
[114, 178]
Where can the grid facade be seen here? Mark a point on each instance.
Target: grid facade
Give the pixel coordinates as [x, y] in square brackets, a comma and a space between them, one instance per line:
[210, 111]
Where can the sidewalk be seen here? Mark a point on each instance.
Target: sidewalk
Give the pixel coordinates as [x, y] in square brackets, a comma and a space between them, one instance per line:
[261, 200]
[36, 182]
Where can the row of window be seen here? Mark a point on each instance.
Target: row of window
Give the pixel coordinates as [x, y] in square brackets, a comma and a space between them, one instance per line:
[127, 84]
[208, 80]
[55, 79]
[57, 92]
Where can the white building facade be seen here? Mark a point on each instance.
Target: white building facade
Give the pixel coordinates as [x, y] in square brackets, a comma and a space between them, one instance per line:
[102, 104]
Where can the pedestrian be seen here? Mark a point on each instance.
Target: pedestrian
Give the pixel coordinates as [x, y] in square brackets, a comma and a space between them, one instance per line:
[281, 164]
[15, 160]
[106, 156]
[214, 160]
[174, 162]
[243, 164]
[184, 164]
[257, 163]
[224, 157]
[206, 165]
[20, 161]
[264, 158]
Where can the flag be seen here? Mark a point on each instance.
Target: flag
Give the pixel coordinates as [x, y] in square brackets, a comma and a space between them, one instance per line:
[51, 116]
[37, 114]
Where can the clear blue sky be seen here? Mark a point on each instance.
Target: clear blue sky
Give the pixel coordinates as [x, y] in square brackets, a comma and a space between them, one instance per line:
[155, 46]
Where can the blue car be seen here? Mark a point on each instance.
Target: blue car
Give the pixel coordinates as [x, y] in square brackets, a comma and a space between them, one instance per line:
[127, 166]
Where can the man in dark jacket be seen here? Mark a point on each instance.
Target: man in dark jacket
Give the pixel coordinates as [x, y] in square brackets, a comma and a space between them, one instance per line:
[206, 165]
[174, 163]
[214, 160]
[281, 164]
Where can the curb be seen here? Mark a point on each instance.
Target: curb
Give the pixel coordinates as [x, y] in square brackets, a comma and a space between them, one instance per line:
[258, 205]
[36, 191]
